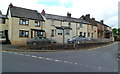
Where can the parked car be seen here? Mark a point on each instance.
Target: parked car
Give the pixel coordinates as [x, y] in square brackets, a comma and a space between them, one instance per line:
[40, 40]
[77, 40]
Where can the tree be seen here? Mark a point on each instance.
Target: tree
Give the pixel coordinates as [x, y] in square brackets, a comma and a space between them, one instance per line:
[114, 30]
[118, 31]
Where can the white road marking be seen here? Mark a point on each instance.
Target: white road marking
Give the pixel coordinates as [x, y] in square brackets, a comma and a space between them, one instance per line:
[34, 56]
[75, 63]
[27, 55]
[65, 61]
[49, 59]
[15, 53]
[40, 57]
[118, 59]
[20, 54]
[99, 68]
[70, 62]
[57, 60]
[4, 51]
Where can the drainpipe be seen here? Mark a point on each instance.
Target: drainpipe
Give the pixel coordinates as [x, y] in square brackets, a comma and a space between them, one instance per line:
[63, 35]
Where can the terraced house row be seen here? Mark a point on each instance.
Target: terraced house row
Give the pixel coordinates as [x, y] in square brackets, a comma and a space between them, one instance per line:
[22, 24]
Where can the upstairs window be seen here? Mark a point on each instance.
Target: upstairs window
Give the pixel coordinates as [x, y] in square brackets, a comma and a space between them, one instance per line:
[69, 24]
[24, 22]
[52, 22]
[37, 23]
[53, 33]
[3, 21]
[59, 33]
[67, 32]
[81, 25]
[2, 35]
[23, 33]
[92, 35]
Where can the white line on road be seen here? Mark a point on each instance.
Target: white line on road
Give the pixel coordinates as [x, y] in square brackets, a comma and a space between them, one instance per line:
[70, 62]
[75, 63]
[65, 61]
[34, 56]
[49, 59]
[4, 51]
[27, 55]
[20, 54]
[40, 57]
[57, 60]
[15, 53]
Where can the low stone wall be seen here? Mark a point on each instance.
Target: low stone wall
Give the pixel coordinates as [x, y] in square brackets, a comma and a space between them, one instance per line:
[65, 46]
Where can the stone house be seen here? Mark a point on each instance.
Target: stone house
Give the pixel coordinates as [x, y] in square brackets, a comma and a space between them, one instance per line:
[23, 23]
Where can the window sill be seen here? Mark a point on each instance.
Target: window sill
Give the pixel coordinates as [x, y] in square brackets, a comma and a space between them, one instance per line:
[24, 37]
[24, 24]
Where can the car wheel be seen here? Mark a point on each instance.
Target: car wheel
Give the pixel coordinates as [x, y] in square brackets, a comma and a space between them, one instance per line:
[34, 43]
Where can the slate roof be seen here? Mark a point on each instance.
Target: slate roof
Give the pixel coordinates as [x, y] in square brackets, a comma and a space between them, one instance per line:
[3, 16]
[65, 18]
[25, 13]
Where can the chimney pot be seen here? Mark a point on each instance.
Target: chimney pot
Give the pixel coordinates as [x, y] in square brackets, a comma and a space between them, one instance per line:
[68, 14]
[102, 21]
[93, 19]
[88, 15]
[11, 5]
[43, 12]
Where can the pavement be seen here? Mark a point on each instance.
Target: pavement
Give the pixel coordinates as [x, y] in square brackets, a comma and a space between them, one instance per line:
[100, 59]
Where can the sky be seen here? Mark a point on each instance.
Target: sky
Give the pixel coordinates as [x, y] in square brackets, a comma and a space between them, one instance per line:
[106, 10]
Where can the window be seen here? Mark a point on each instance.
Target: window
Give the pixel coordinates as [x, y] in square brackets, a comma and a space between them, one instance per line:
[37, 23]
[37, 33]
[80, 33]
[24, 22]
[92, 35]
[84, 34]
[81, 26]
[23, 33]
[2, 35]
[69, 24]
[67, 32]
[52, 22]
[92, 26]
[53, 33]
[3, 21]
[59, 33]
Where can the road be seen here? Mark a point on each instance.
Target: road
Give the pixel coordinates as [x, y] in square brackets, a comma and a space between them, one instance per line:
[101, 59]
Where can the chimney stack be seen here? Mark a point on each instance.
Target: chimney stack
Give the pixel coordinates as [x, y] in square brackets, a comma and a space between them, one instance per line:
[87, 15]
[102, 21]
[93, 19]
[43, 12]
[82, 17]
[10, 5]
[68, 15]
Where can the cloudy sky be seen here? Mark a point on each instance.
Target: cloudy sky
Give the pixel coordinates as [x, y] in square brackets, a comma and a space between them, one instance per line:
[106, 10]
